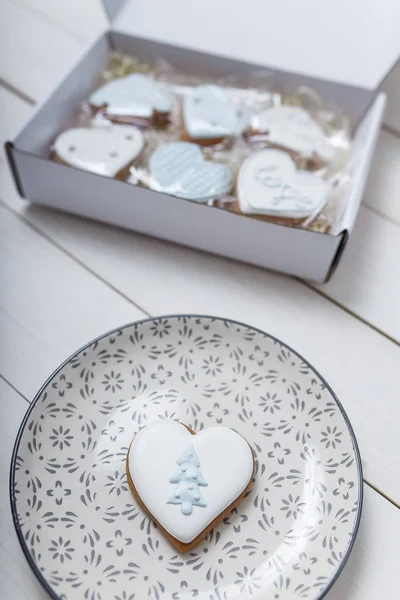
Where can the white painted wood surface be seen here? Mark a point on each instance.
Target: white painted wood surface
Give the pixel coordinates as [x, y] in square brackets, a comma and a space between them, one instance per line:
[65, 280]
[14, 111]
[383, 191]
[38, 55]
[391, 86]
[80, 20]
[46, 307]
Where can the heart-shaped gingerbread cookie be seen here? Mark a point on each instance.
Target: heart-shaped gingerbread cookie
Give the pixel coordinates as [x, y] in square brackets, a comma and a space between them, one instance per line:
[134, 96]
[209, 114]
[187, 481]
[269, 184]
[108, 150]
[179, 169]
[293, 128]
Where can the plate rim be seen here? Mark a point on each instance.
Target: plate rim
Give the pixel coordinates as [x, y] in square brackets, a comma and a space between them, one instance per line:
[12, 495]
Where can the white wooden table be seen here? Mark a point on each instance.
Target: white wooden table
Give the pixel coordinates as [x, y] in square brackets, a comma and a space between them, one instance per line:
[66, 280]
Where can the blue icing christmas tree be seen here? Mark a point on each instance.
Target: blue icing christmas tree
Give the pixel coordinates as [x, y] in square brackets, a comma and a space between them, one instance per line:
[188, 478]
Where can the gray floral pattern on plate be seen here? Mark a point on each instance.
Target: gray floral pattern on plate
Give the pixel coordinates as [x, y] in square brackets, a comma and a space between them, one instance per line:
[78, 522]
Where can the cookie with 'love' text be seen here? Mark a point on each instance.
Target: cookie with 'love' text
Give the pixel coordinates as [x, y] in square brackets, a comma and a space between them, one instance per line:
[188, 481]
[269, 185]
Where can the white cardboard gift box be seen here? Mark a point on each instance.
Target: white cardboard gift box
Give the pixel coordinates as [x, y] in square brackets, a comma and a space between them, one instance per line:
[314, 41]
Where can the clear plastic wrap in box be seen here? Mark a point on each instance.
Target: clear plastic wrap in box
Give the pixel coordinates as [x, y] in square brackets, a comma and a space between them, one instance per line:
[243, 146]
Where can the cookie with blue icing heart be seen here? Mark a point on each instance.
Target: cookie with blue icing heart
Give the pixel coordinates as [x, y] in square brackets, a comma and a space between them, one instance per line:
[136, 99]
[209, 116]
[292, 129]
[179, 169]
[188, 482]
[270, 185]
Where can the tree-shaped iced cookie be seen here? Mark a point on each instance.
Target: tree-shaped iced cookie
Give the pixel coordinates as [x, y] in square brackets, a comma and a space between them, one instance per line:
[189, 478]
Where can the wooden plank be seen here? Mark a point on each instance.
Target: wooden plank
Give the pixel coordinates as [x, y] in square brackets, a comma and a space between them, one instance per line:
[391, 86]
[80, 20]
[372, 571]
[163, 279]
[13, 113]
[373, 568]
[367, 281]
[37, 54]
[17, 580]
[383, 188]
[49, 305]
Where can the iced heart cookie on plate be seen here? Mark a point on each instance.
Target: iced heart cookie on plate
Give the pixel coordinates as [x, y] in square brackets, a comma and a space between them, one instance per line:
[187, 482]
[269, 184]
[109, 150]
[292, 128]
[136, 99]
[209, 116]
[179, 169]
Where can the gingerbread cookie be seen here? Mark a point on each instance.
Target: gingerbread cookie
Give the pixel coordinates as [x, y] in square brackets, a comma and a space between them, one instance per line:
[179, 169]
[292, 128]
[187, 482]
[109, 150]
[136, 99]
[209, 116]
[270, 185]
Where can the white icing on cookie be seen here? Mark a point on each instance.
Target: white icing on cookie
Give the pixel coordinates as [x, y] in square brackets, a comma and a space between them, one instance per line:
[136, 95]
[225, 462]
[102, 150]
[178, 168]
[208, 113]
[243, 114]
[293, 128]
[269, 184]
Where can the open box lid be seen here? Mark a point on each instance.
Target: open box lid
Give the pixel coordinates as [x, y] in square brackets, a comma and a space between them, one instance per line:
[350, 41]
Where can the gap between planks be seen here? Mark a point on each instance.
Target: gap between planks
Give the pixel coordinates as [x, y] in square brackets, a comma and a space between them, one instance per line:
[391, 130]
[382, 215]
[366, 482]
[16, 390]
[347, 310]
[73, 257]
[13, 90]
[49, 19]
[146, 312]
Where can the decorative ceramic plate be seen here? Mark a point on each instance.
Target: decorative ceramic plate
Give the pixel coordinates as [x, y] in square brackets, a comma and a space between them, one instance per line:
[78, 523]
